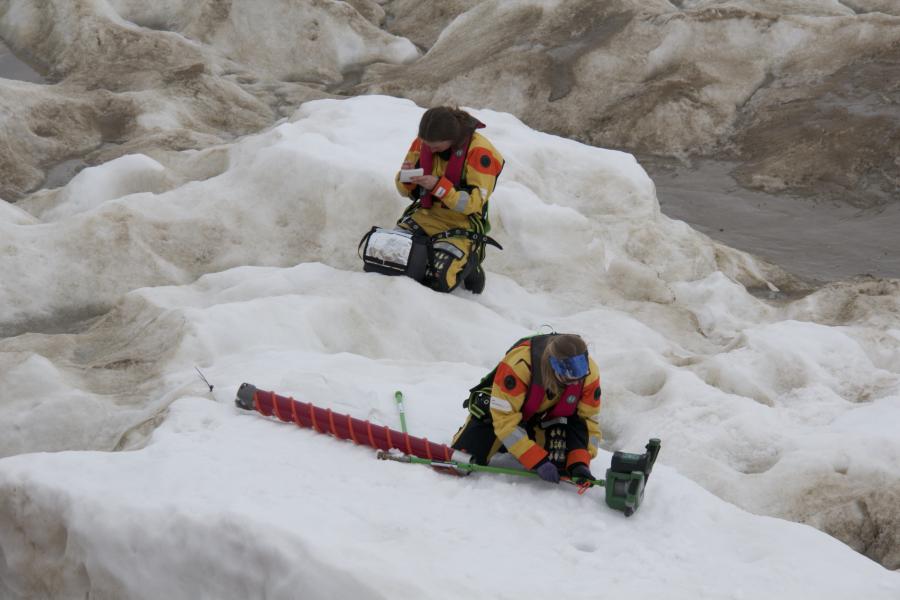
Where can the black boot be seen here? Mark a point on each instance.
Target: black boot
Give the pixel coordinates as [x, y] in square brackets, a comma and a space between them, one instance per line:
[474, 281]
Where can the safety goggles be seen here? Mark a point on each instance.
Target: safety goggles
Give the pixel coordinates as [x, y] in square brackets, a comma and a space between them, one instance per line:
[574, 367]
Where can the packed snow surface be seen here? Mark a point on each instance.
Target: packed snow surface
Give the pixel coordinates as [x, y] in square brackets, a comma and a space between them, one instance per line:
[133, 274]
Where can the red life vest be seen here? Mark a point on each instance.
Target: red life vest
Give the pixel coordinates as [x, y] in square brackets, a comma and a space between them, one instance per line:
[454, 169]
[564, 407]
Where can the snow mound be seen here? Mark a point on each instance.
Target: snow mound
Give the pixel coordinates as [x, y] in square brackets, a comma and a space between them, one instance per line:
[265, 509]
[249, 273]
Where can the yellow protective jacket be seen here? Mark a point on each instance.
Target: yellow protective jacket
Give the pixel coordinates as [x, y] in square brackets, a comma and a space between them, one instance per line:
[479, 176]
[509, 393]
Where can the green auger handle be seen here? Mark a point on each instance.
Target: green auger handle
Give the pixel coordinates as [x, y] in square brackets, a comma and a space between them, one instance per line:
[627, 477]
[398, 398]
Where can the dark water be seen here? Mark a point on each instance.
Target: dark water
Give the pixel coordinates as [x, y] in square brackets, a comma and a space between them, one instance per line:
[814, 239]
[13, 68]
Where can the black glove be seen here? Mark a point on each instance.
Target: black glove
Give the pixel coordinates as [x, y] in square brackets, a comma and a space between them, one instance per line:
[580, 471]
[547, 471]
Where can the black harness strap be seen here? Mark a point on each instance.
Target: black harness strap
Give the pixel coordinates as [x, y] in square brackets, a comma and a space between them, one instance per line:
[478, 238]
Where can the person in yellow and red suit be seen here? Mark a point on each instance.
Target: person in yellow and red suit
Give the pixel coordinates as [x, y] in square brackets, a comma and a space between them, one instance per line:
[449, 200]
[542, 407]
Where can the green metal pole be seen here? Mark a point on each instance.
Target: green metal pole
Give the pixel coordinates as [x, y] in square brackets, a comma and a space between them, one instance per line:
[479, 468]
[398, 398]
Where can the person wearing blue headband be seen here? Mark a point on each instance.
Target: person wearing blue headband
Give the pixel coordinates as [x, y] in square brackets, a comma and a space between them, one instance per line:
[541, 404]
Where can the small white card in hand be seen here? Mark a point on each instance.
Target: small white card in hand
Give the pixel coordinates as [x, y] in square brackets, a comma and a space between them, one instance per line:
[407, 174]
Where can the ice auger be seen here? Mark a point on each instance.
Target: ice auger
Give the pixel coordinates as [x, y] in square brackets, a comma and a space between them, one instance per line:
[626, 477]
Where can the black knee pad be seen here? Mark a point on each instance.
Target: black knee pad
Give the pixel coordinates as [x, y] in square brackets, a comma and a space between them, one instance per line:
[442, 256]
[476, 437]
[418, 258]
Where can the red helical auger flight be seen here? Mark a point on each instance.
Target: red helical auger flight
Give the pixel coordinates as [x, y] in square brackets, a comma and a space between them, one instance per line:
[342, 426]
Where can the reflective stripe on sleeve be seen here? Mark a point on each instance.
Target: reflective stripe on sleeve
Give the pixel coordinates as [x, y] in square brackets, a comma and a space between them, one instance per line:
[501, 405]
[518, 434]
[462, 202]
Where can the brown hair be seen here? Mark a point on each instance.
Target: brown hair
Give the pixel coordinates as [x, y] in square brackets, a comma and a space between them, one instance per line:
[564, 345]
[444, 123]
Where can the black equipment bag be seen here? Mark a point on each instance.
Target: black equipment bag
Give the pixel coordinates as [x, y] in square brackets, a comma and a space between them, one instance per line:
[394, 252]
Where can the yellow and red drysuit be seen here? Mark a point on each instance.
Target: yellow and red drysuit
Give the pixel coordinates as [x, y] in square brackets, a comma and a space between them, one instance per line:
[453, 204]
[522, 435]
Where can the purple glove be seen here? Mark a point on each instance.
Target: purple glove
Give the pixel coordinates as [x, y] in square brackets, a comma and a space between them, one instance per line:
[547, 471]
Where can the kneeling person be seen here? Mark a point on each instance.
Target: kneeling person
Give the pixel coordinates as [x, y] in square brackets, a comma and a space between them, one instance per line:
[457, 169]
[541, 405]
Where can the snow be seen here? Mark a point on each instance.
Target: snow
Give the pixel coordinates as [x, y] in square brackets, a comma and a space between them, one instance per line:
[263, 509]
[130, 174]
[10, 213]
[763, 408]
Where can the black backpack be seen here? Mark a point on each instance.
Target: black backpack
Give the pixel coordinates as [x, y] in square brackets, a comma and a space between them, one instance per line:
[479, 400]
